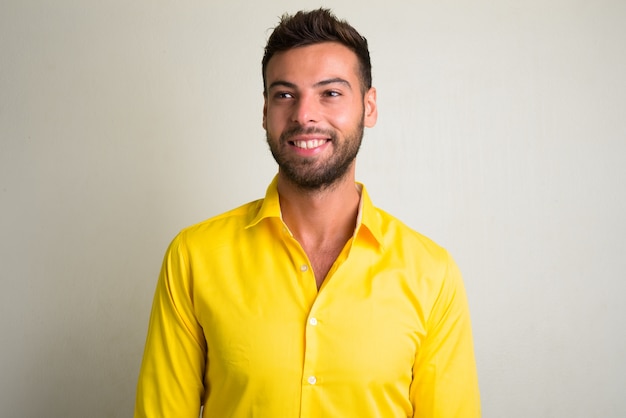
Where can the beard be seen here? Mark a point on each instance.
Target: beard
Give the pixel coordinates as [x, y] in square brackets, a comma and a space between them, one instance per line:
[313, 173]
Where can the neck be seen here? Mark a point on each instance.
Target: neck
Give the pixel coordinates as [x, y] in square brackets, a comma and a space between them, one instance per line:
[318, 218]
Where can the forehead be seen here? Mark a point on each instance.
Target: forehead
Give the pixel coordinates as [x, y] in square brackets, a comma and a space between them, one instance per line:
[313, 63]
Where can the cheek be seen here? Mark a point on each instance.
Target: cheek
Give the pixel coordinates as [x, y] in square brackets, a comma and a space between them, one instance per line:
[274, 116]
[268, 120]
[345, 120]
[273, 125]
[270, 124]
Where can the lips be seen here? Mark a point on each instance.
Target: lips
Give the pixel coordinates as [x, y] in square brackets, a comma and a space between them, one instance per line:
[309, 144]
[307, 140]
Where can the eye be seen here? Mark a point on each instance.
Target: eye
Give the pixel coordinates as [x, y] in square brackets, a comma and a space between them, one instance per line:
[283, 95]
[332, 93]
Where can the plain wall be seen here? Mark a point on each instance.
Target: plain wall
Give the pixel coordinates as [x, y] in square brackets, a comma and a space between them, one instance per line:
[502, 136]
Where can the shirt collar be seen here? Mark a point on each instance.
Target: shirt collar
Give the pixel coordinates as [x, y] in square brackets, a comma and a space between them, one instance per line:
[368, 226]
[270, 206]
[368, 218]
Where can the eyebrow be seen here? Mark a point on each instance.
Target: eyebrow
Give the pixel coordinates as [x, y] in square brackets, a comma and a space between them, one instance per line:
[283, 83]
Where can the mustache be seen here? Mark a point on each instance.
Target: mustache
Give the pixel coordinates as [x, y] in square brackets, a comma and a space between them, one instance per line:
[299, 130]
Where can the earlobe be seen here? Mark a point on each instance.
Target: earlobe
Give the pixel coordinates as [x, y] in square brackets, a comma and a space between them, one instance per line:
[371, 109]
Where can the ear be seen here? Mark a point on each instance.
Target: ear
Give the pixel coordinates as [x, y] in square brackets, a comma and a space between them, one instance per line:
[264, 111]
[371, 110]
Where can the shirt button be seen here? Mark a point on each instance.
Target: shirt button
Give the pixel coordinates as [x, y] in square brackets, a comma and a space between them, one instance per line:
[312, 380]
[304, 268]
[313, 321]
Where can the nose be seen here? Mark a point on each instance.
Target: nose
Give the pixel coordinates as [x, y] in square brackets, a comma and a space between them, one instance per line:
[306, 110]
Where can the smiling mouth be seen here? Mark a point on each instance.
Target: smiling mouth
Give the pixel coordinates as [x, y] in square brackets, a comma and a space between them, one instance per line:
[309, 144]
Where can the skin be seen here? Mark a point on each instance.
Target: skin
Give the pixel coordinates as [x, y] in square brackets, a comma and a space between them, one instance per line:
[314, 113]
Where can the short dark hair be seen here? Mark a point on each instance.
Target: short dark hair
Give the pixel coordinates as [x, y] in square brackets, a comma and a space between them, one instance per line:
[313, 27]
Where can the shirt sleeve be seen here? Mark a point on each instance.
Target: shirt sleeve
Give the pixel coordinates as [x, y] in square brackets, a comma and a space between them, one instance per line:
[172, 371]
[445, 382]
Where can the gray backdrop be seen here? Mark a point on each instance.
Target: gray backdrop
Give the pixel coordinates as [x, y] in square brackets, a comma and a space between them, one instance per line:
[502, 136]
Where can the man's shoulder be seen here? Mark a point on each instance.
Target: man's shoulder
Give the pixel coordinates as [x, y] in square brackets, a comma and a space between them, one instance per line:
[398, 235]
[418, 254]
[224, 225]
[394, 234]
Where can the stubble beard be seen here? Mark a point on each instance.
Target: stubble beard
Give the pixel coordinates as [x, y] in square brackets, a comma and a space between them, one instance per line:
[307, 172]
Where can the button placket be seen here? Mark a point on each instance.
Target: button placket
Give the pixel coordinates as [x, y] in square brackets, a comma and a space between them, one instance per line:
[311, 353]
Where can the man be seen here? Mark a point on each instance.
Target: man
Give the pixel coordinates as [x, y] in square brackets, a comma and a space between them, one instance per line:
[310, 302]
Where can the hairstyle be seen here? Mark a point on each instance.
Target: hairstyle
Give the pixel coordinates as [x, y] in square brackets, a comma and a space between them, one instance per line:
[313, 27]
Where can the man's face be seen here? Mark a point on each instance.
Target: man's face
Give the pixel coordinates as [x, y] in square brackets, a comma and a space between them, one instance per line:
[314, 113]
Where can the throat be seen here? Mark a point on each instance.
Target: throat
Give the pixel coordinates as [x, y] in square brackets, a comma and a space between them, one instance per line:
[322, 260]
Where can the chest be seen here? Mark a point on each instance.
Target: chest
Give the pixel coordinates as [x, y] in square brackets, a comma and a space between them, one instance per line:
[322, 261]
[270, 332]
[361, 327]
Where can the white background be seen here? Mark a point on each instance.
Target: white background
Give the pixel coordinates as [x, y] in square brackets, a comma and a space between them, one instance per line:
[502, 136]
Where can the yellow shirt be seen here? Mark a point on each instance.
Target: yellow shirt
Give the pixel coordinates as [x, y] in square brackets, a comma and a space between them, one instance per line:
[238, 324]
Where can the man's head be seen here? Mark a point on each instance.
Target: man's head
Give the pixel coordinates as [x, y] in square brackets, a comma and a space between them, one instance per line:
[318, 26]
[317, 99]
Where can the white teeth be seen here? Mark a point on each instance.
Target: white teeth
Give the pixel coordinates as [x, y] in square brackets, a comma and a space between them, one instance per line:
[314, 143]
